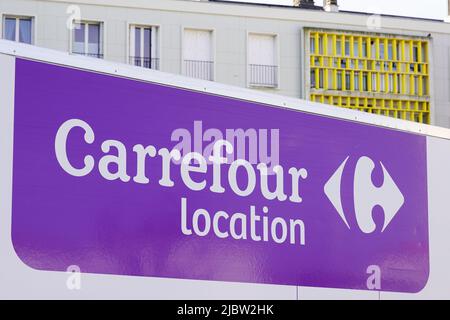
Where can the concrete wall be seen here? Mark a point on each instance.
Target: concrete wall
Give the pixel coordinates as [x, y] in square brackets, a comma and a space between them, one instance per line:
[231, 23]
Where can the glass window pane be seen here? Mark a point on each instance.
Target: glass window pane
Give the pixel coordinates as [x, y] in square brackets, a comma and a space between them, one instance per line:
[25, 31]
[338, 47]
[381, 50]
[137, 42]
[424, 53]
[10, 29]
[94, 39]
[79, 32]
[147, 42]
[425, 85]
[372, 49]
[78, 44]
[416, 85]
[390, 52]
[347, 80]
[339, 80]
[313, 79]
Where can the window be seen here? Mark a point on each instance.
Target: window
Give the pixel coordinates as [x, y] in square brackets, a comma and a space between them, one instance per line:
[423, 50]
[347, 80]
[338, 47]
[320, 45]
[262, 60]
[312, 47]
[19, 29]
[374, 82]
[321, 75]
[347, 47]
[373, 49]
[87, 39]
[382, 51]
[416, 85]
[382, 87]
[313, 78]
[425, 86]
[364, 48]
[198, 59]
[144, 46]
[356, 81]
[339, 80]
[390, 51]
[394, 66]
[415, 54]
[365, 82]
[391, 83]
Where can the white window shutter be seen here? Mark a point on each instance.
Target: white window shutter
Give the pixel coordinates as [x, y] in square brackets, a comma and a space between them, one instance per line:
[197, 45]
[261, 49]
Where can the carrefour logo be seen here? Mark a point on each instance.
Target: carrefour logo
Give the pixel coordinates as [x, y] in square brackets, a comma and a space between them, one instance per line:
[366, 195]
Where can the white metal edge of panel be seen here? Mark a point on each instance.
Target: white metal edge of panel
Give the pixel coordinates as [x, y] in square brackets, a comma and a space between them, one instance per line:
[437, 287]
[18, 281]
[438, 172]
[123, 70]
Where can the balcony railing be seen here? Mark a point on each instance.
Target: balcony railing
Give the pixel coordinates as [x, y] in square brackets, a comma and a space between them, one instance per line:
[263, 75]
[149, 63]
[93, 55]
[199, 69]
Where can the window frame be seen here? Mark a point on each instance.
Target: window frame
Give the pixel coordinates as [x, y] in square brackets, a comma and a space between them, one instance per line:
[158, 40]
[277, 64]
[17, 17]
[102, 37]
[213, 48]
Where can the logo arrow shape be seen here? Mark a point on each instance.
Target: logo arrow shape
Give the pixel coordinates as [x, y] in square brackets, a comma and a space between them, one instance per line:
[332, 190]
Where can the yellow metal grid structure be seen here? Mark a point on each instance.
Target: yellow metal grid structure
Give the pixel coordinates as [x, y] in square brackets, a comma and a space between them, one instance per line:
[380, 74]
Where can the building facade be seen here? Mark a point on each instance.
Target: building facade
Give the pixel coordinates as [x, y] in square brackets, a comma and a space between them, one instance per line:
[388, 65]
[376, 73]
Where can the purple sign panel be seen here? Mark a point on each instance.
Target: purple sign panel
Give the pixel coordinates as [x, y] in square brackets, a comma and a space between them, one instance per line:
[123, 177]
